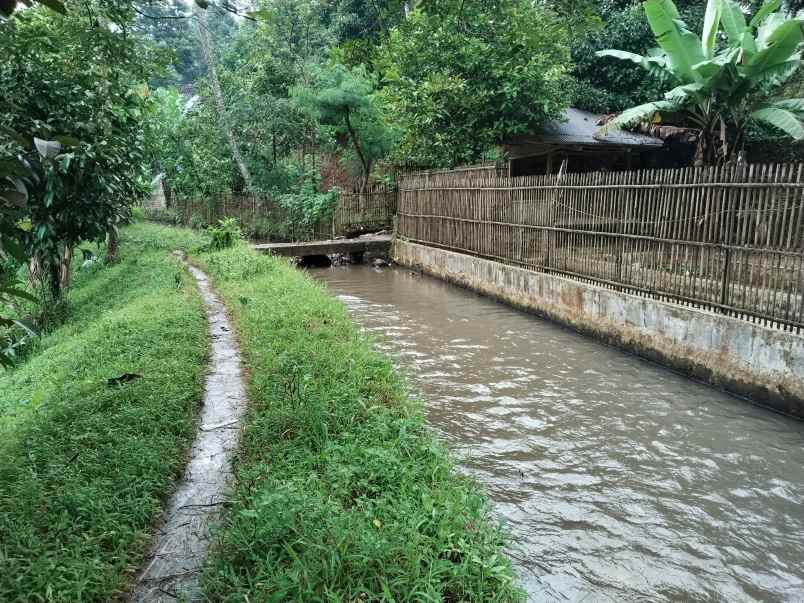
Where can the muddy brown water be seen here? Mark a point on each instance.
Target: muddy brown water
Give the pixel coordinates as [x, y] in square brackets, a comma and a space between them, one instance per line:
[619, 480]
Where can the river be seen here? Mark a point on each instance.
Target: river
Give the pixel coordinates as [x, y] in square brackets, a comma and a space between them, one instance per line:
[618, 480]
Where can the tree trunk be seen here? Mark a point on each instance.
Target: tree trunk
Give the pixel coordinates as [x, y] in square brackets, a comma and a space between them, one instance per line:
[55, 280]
[112, 245]
[717, 146]
[359, 151]
[35, 270]
[46, 272]
[66, 273]
[212, 71]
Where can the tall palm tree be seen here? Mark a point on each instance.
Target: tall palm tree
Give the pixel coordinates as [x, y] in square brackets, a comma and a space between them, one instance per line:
[725, 79]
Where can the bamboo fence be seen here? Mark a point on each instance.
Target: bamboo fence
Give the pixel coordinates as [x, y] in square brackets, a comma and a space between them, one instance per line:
[727, 239]
[368, 211]
[354, 212]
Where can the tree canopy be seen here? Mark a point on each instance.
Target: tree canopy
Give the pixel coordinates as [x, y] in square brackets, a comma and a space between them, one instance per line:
[73, 134]
[461, 76]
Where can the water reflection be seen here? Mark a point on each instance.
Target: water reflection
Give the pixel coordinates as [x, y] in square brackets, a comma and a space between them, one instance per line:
[620, 480]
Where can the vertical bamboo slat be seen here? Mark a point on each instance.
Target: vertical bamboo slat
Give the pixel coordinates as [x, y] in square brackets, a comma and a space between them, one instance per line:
[728, 239]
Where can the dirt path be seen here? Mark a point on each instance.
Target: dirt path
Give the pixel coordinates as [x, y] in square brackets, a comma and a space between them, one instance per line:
[173, 566]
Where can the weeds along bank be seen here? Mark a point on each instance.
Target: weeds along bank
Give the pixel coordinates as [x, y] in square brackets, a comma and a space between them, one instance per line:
[85, 464]
[341, 491]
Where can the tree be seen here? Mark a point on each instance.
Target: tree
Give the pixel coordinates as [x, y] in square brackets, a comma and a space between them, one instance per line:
[75, 100]
[185, 143]
[460, 76]
[361, 26]
[170, 26]
[721, 89]
[605, 86]
[345, 98]
[261, 64]
[223, 115]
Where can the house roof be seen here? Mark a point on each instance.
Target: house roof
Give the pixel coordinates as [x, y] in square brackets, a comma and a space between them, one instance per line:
[579, 128]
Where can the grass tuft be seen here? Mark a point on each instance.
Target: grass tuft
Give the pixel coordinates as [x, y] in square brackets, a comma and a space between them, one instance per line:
[342, 493]
[84, 465]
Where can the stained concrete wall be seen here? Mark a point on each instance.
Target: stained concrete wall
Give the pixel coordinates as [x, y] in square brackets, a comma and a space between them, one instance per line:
[763, 364]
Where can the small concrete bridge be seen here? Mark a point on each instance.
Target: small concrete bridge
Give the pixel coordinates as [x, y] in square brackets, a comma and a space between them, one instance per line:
[354, 247]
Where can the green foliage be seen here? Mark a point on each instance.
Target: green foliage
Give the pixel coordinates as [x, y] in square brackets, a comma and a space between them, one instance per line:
[258, 68]
[184, 142]
[306, 207]
[225, 235]
[197, 221]
[335, 93]
[341, 492]
[163, 216]
[73, 121]
[463, 75]
[604, 85]
[360, 26]
[168, 25]
[722, 88]
[86, 465]
[16, 334]
[345, 99]
[8, 7]
[270, 229]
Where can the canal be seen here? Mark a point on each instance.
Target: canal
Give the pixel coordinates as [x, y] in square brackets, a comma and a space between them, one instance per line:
[618, 480]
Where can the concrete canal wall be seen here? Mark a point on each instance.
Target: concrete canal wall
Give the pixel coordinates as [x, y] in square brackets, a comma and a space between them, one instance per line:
[763, 364]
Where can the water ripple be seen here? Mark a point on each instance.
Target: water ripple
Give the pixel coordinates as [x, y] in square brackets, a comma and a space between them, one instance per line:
[620, 481]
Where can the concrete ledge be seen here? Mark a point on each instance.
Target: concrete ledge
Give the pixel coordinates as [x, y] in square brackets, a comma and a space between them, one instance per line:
[359, 245]
[763, 364]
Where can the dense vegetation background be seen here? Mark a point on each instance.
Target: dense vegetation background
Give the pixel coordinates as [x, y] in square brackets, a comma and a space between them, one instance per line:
[293, 99]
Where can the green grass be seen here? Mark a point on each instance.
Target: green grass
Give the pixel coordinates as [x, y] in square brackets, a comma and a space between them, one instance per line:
[342, 493]
[84, 466]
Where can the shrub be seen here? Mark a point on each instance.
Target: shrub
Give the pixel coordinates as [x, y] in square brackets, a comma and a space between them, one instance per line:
[224, 235]
[307, 207]
[268, 229]
[197, 221]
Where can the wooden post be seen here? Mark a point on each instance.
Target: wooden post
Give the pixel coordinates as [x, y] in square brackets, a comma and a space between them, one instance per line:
[554, 212]
[724, 286]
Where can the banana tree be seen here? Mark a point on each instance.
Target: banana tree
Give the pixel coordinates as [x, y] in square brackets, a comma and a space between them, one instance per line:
[724, 79]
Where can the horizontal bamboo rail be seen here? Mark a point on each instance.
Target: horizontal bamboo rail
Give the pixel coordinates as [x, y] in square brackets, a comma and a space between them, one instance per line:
[728, 239]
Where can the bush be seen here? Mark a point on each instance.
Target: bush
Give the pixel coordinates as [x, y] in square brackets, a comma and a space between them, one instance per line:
[307, 207]
[269, 229]
[224, 235]
[197, 221]
[15, 338]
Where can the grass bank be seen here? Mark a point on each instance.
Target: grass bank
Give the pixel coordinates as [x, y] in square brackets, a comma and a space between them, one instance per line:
[85, 465]
[342, 493]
